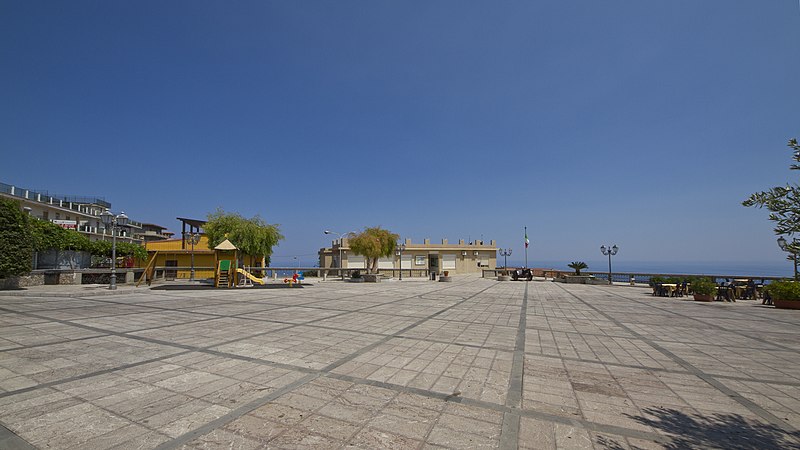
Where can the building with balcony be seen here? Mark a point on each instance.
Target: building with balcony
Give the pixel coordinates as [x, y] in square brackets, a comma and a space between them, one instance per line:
[77, 213]
[151, 232]
[461, 258]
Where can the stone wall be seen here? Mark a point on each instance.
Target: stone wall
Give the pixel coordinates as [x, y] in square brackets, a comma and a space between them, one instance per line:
[32, 279]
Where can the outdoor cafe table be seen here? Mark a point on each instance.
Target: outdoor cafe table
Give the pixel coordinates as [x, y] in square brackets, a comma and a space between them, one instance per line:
[670, 288]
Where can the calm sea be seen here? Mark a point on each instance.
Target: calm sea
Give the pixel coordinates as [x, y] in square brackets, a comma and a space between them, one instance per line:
[766, 269]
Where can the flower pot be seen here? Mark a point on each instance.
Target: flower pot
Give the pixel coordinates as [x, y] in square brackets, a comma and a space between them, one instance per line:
[786, 304]
[703, 298]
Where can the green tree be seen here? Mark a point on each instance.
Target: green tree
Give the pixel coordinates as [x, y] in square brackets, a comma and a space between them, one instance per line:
[783, 202]
[373, 243]
[16, 251]
[49, 236]
[103, 248]
[577, 266]
[254, 236]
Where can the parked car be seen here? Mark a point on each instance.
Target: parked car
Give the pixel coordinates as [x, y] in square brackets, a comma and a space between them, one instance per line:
[516, 274]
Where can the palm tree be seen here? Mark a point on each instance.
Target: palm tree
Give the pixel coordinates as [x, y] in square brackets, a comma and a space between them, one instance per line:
[577, 266]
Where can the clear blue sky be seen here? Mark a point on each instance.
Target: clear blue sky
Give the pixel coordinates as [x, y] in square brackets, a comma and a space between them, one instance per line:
[640, 123]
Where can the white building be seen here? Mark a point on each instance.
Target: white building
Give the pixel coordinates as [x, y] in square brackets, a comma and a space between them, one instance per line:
[78, 213]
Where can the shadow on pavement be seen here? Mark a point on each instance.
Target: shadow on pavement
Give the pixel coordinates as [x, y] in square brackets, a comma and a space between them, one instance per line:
[205, 287]
[724, 431]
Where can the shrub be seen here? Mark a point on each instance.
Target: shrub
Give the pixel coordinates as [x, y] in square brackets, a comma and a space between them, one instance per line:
[703, 286]
[784, 290]
[16, 251]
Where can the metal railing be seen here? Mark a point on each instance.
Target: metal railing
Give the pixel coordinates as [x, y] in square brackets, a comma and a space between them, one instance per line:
[83, 205]
[644, 278]
[204, 272]
[634, 277]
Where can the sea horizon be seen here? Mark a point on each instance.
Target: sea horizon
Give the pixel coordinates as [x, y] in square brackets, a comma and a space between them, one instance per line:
[751, 268]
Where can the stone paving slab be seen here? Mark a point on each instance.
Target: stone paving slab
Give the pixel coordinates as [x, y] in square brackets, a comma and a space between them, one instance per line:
[471, 364]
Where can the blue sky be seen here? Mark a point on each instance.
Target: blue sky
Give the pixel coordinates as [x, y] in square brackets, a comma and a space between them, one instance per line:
[639, 123]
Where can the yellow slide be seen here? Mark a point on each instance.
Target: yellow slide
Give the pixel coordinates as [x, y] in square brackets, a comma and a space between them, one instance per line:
[249, 275]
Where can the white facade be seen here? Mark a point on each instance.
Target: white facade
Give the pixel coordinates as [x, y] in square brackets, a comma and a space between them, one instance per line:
[80, 214]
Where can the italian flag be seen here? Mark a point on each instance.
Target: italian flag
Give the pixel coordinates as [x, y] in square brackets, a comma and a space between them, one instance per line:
[526, 238]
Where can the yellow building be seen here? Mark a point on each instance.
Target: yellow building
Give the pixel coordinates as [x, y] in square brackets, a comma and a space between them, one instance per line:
[178, 253]
[182, 255]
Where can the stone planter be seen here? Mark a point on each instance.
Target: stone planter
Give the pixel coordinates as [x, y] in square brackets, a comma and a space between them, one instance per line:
[504, 278]
[786, 304]
[703, 298]
[578, 279]
[445, 279]
[371, 278]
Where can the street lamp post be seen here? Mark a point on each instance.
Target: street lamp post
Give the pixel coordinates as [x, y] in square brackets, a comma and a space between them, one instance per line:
[400, 249]
[341, 242]
[114, 223]
[192, 238]
[505, 253]
[786, 247]
[610, 251]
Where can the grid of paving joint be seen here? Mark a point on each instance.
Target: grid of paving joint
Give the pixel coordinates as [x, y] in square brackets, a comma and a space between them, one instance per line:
[471, 364]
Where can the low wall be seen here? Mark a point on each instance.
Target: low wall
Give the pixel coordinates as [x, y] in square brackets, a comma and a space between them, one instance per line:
[32, 279]
[69, 277]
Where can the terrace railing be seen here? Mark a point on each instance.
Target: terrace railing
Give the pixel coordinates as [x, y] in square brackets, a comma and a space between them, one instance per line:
[638, 277]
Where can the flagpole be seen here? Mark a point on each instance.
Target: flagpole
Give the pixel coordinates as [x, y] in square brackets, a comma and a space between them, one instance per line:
[526, 247]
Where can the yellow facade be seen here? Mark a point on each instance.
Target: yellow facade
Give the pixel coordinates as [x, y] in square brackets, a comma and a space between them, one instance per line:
[176, 253]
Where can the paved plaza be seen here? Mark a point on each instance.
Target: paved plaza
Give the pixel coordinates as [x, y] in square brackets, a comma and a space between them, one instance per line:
[414, 364]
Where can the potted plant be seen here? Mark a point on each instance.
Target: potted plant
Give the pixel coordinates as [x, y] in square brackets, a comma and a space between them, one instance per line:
[704, 289]
[577, 266]
[445, 276]
[785, 294]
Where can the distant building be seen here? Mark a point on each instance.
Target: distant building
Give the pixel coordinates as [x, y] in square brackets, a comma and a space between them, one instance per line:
[458, 258]
[152, 232]
[77, 213]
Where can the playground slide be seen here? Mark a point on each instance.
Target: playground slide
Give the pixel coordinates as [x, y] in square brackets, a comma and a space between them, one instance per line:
[249, 275]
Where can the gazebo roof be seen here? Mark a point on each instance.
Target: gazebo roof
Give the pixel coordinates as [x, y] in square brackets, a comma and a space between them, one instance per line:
[225, 245]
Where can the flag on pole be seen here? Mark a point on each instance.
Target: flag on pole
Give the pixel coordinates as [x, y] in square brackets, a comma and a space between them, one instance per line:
[526, 238]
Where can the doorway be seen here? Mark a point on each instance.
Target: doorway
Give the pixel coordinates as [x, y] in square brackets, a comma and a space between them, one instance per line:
[170, 274]
[433, 263]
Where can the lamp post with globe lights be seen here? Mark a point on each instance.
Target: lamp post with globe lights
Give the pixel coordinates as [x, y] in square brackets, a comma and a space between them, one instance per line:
[609, 251]
[192, 238]
[505, 253]
[114, 223]
[400, 249]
